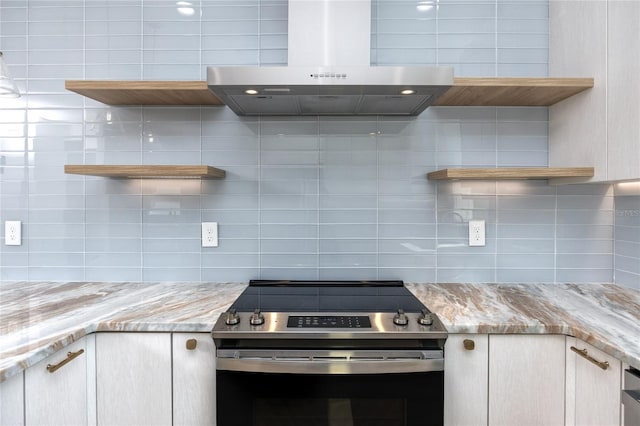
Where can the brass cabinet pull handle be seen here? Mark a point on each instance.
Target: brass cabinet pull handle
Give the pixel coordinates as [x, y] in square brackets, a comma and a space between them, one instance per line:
[70, 357]
[191, 344]
[584, 354]
[469, 344]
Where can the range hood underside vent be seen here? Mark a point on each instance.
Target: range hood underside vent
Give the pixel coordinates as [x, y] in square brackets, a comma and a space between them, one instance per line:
[328, 104]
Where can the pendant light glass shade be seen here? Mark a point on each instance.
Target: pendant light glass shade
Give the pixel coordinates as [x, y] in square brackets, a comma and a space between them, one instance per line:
[8, 88]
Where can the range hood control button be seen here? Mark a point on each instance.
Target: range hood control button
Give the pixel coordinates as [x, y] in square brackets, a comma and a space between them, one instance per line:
[256, 318]
[400, 318]
[232, 318]
[425, 318]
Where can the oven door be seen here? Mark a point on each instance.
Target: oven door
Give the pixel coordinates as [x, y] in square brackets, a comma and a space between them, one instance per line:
[362, 388]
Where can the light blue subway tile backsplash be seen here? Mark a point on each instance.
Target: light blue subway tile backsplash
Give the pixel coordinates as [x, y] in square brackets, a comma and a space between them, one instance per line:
[627, 240]
[525, 275]
[521, 70]
[303, 198]
[290, 273]
[526, 245]
[112, 274]
[457, 275]
[523, 10]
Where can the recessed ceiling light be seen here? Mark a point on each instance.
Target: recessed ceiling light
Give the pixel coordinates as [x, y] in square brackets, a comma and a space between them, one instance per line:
[251, 92]
[408, 92]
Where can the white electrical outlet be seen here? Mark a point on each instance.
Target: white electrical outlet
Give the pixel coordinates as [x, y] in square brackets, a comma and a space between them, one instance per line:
[209, 234]
[476, 233]
[13, 233]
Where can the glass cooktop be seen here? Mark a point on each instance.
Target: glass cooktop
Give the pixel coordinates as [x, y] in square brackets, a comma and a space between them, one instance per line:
[327, 296]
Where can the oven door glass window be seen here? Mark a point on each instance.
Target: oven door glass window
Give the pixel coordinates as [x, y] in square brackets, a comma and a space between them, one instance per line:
[259, 399]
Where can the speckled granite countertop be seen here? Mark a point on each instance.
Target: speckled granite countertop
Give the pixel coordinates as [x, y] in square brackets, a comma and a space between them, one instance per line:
[40, 318]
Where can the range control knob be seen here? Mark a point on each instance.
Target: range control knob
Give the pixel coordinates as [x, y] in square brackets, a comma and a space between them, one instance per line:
[256, 318]
[400, 318]
[232, 318]
[425, 318]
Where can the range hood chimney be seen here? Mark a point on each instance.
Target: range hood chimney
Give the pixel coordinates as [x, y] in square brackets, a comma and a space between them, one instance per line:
[329, 71]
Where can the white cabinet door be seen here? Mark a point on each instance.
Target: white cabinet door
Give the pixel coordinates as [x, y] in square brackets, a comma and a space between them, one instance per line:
[599, 127]
[194, 379]
[578, 48]
[12, 401]
[466, 375]
[56, 388]
[134, 378]
[526, 380]
[623, 89]
[593, 393]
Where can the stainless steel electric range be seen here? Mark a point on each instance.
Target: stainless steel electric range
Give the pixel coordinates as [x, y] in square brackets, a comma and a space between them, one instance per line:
[330, 353]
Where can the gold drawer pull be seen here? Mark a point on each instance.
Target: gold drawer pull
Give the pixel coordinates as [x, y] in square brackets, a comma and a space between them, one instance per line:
[70, 357]
[584, 354]
[191, 344]
[469, 344]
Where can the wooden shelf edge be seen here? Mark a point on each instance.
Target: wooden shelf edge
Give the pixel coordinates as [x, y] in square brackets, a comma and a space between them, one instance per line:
[501, 173]
[147, 172]
[512, 91]
[579, 82]
[145, 92]
[471, 91]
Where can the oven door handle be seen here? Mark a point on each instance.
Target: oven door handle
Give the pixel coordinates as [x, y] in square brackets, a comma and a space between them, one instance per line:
[306, 366]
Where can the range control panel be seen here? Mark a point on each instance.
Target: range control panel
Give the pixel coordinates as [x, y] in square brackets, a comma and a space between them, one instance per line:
[328, 325]
[329, 321]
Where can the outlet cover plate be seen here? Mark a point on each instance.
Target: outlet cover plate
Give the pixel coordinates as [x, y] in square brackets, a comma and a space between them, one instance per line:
[476, 233]
[13, 233]
[209, 234]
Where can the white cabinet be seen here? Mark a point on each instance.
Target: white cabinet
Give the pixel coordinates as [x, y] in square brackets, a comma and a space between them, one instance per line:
[133, 378]
[504, 380]
[577, 47]
[56, 388]
[194, 379]
[526, 380]
[623, 89]
[466, 375]
[12, 401]
[155, 378]
[600, 127]
[593, 392]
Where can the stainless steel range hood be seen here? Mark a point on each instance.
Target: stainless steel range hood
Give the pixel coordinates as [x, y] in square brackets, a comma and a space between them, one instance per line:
[329, 70]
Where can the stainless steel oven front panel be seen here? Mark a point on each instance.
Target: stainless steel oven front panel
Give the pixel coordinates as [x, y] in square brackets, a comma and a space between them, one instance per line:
[330, 361]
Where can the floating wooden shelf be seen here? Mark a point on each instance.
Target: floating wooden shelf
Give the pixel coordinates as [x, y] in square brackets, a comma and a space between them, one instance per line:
[503, 173]
[145, 92]
[464, 92]
[148, 172]
[512, 91]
